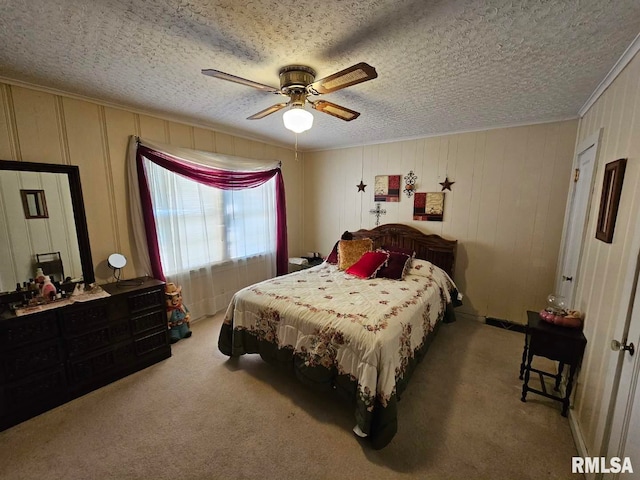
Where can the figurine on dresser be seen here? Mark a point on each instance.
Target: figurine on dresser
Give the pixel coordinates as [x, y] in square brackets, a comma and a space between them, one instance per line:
[178, 316]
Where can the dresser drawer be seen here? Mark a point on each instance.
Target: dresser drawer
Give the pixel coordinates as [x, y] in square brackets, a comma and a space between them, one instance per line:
[28, 329]
[99, 338]
[48, 386]
[126, 304]
[152, 342]
[92, 367]
[31, 359]
[149, 321]
[84, 318]
[556, 347]
[139, 302]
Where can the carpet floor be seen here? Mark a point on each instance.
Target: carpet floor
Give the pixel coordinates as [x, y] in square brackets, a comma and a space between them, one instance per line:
[201, 415]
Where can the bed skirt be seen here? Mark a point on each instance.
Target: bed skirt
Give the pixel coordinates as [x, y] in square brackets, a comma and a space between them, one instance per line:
[380, 421]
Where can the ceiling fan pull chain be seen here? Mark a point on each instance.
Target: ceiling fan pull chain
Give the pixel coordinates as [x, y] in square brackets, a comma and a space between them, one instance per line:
[296, 148]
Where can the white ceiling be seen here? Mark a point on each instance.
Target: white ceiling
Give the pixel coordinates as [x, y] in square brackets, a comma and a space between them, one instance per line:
[443, 66]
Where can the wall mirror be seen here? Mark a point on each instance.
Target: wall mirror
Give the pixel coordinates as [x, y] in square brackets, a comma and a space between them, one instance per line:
[58, 223]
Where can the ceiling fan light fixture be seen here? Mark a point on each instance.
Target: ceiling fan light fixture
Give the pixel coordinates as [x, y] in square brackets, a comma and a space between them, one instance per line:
[297, 119]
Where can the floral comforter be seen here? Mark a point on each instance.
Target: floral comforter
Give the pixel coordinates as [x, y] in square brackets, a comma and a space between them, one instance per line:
[362, 337]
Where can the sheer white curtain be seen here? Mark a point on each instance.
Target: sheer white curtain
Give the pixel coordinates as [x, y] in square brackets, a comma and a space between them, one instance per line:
[212, 242]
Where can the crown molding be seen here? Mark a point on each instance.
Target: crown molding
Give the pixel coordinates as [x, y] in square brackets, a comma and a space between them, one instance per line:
[141, 111]
[443, 134]
[622, 62]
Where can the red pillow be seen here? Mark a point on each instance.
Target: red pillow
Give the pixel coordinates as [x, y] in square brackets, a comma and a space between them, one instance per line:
[368, 265]
[333, 256]
[396, 267]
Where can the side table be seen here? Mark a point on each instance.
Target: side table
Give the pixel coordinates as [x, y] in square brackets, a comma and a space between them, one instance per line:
[311, 262]
[562, 344]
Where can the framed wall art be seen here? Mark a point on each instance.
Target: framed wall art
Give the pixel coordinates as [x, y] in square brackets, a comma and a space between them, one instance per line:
[34, 203]
[387, 188]
[428, 206]
[610, 199]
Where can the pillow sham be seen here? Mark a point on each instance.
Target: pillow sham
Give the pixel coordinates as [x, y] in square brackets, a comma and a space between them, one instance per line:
[369, 264]
[406, 251]
[421, 268]
[350, 251]
[332, 258]
[396, 267]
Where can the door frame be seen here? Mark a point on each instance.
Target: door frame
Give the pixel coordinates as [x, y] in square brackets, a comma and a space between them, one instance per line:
[593, 140]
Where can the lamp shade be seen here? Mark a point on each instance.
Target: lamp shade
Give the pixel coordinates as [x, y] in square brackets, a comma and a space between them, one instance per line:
[297, 119]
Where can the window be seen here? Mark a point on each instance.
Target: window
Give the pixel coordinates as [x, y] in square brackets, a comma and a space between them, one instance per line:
[198, 225]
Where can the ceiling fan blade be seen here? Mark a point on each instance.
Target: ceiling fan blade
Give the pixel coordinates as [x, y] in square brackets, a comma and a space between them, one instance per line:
[240, 80]
[267, 111]
[361, 72]
[337, 111]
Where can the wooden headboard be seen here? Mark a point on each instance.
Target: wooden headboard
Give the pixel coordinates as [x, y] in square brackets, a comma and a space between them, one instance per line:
[433, 248]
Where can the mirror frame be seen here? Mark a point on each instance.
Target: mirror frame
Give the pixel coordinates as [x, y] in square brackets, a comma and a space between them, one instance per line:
[73, 175]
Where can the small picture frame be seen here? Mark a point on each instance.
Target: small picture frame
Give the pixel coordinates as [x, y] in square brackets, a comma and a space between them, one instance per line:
[34, 203]
[428, 206]
[387, 188]
[610, 199]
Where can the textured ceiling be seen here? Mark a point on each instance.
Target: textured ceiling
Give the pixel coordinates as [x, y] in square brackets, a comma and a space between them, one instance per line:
[443, 66]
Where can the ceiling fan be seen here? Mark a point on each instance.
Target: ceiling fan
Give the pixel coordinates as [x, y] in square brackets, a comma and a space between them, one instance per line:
[298, 83]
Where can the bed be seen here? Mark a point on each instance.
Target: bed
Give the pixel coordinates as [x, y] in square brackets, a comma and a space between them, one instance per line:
[360, 336]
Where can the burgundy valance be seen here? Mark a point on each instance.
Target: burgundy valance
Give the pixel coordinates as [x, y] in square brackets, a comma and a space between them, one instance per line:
[222, 179]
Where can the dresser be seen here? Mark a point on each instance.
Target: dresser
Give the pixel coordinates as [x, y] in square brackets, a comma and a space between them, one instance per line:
[50, 357]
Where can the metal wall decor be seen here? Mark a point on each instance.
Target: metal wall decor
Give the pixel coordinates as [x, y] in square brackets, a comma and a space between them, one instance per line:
[377, 212]
[446, 185]
[410, 183]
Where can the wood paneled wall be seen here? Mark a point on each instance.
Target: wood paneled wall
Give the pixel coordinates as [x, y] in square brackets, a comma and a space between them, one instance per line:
[506, 207]
[39, 126]
[603, 284]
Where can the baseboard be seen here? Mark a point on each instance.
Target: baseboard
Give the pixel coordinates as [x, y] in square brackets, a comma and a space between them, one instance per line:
[506, 324]
[578, 439]
[469, 316]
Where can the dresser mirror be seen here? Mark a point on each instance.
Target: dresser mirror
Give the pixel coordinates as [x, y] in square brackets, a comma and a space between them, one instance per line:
[61, 234]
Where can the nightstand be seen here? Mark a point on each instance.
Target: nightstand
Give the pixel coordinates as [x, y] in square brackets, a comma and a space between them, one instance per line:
[311, 262]
[562, 344]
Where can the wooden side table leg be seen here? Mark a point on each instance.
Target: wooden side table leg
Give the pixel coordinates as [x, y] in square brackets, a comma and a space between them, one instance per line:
[524, 356]
[559, 376]
[527, 373]
[565, 402]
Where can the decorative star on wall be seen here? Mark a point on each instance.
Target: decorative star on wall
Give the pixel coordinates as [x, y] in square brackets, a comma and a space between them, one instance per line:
[361, 186]
[446, 185]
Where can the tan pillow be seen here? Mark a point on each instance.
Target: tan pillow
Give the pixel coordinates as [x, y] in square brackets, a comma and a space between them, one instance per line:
[350, 251]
